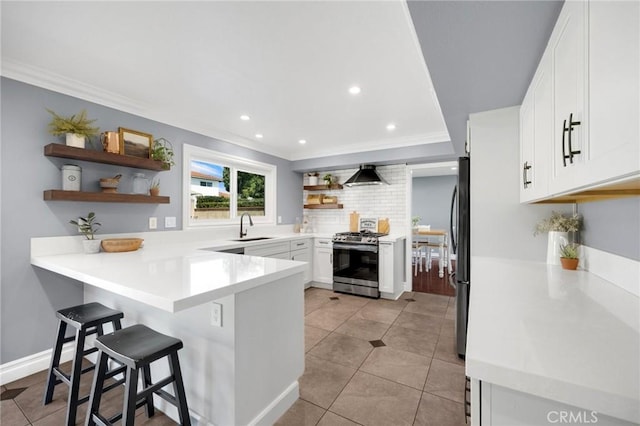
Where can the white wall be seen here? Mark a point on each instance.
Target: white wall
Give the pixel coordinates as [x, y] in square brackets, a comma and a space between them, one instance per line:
[500, 225]
[371, 200]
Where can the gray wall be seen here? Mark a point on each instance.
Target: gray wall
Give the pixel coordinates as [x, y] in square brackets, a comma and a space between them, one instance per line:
[29, 296]
[431, 200]
[612, 226]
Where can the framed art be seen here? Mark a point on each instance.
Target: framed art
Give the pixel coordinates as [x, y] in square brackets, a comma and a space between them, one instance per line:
[135, 143]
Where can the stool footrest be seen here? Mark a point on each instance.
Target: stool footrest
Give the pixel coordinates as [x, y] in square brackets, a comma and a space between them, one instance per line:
[89, 368]
[113, 385]
[156, 387]
[102, 421]
[167, 397]
[122, 369]
[63, 377]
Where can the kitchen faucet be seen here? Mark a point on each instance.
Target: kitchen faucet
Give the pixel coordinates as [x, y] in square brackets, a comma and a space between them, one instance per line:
[242, 234]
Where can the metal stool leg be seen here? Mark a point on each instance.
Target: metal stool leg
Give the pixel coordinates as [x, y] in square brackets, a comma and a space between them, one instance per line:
[178, 387]
[55, 362]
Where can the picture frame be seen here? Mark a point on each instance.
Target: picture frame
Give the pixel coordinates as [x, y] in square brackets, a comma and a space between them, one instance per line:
[135, 143]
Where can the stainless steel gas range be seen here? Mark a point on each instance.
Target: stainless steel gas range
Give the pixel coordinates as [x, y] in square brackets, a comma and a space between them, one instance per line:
[355, 263]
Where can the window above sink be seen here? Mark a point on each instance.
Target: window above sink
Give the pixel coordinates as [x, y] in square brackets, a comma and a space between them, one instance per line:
[219, 187]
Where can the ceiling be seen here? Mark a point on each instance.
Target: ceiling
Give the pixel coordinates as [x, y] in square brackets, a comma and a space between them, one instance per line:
[434, 169]
[287, 65]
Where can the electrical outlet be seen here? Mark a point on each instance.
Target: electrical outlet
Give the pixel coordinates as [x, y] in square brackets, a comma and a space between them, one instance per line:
[279, 219]
[216, 314]
[153, 223]
[170, 222]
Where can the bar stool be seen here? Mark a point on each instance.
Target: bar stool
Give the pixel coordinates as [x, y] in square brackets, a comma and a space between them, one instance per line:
[137, 347]
[87, 319]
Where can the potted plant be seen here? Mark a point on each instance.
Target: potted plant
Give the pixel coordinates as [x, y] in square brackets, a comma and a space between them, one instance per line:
[558, 227]
[77, 128]
[154, 188]
[327, 179]
[88, 226]
[313, 178]
[162, 150]
[569, 256]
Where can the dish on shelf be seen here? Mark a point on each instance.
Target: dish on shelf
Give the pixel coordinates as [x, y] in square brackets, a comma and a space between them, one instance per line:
[115, 245]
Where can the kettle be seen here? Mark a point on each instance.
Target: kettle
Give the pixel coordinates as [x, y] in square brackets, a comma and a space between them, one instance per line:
[111, 142]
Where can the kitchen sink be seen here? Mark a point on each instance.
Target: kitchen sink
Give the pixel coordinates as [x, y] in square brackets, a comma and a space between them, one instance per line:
[253, 239]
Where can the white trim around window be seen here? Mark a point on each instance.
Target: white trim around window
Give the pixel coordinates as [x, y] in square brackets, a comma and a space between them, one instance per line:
[235, 164]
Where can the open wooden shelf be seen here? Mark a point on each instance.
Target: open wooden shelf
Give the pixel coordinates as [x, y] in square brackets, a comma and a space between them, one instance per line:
[59, 195]
[322, 187]
[323, 206]
[64, 151]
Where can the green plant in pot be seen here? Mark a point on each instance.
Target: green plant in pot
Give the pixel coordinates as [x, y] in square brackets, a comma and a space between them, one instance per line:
[88, 226]
[76, 128]
[557, 227]
[162, 150]
[154, 188]
[569, 254]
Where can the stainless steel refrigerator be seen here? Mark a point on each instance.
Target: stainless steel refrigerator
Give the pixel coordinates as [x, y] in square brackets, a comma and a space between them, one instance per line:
[460, 225]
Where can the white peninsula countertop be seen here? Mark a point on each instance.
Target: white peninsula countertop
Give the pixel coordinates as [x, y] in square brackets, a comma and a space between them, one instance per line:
[174, 275]
[567, 336]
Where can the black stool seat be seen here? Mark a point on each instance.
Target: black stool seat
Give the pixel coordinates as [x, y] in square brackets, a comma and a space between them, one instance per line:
[89, 315]
[136, 347]
[87, 320]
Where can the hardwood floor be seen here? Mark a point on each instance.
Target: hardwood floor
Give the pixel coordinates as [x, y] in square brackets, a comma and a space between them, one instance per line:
[430, 282]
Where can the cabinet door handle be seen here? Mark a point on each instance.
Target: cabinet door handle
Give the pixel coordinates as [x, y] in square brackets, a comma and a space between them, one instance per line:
[331, 258]
[525, 167]
[565, 129]
[572, 123]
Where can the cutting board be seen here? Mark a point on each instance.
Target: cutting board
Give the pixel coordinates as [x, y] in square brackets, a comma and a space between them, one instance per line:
[383, 225]
[354, 223]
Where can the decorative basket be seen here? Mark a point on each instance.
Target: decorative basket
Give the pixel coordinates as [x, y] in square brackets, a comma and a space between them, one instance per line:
[115, 245]
[314, 198]
[330, 199]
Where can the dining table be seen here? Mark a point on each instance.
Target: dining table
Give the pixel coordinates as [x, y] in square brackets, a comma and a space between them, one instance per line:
[434, 238]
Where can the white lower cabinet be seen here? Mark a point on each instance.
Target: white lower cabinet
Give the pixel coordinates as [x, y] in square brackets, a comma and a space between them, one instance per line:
[391, 268]
[299, 250]
[303, 255]
[323, 261]
[493, 405]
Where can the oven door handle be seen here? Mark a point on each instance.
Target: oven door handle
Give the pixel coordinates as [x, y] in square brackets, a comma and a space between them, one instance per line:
[356, 247]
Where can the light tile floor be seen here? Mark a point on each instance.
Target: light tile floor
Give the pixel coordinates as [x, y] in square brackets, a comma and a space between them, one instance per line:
[412, 377]
[379, 362]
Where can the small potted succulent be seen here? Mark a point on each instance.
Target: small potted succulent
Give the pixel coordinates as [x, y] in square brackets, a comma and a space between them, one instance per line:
[569, 256]
[327, 178]
[77, 128]
[154, 188]
[88, 226]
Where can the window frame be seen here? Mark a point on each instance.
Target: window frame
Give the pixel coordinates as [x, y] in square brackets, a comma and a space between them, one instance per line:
[235, 164]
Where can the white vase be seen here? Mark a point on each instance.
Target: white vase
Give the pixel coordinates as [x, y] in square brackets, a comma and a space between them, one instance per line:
[553, 246]
[91, 246]
[76, 140]
[313, 180]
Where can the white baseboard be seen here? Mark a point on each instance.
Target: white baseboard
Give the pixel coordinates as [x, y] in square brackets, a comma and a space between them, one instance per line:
[621, 271]
[30, 364]
[318, 284]
[278, 406]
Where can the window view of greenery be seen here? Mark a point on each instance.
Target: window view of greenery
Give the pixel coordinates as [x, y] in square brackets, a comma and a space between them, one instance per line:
[211, 192]
[250, 193]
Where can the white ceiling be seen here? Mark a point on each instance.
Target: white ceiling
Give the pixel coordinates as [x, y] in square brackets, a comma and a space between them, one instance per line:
[201, 65]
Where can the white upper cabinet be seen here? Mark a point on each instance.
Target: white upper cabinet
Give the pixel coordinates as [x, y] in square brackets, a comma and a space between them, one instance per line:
[580, 118]
[536, 120]
[568, 61]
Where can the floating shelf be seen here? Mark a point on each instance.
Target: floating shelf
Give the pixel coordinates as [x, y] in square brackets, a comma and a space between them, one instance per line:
[64, 151]
[322, 187]
[107, 197]
[323, 206]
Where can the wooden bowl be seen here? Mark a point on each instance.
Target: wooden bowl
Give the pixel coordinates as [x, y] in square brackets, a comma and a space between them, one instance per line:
[109, 184]
[114, 245]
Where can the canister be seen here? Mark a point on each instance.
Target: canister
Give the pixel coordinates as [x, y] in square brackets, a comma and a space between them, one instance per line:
[71, 177]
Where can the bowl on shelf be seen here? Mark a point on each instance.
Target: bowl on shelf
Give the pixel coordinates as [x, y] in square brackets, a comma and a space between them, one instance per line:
[115, 245]
[110, 184]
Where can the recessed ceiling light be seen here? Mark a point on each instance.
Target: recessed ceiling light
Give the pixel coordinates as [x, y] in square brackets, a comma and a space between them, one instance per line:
[391, 126]
[259, 135]
[354, 90]
[302, 141]
[245, 118]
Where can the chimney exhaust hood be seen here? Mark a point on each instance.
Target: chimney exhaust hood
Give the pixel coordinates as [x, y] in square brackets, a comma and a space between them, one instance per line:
[367, 175]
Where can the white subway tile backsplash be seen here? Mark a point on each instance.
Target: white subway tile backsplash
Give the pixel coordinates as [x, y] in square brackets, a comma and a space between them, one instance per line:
[383, 201]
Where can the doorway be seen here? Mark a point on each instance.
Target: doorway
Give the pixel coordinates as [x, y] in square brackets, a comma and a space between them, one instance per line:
[430, 189]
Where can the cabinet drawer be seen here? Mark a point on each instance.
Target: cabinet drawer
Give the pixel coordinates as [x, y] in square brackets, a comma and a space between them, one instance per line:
[300, 244]
[265, 250]
[323, 242]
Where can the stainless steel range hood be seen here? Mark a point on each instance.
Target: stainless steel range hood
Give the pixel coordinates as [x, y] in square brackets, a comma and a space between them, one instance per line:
[367, 175]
